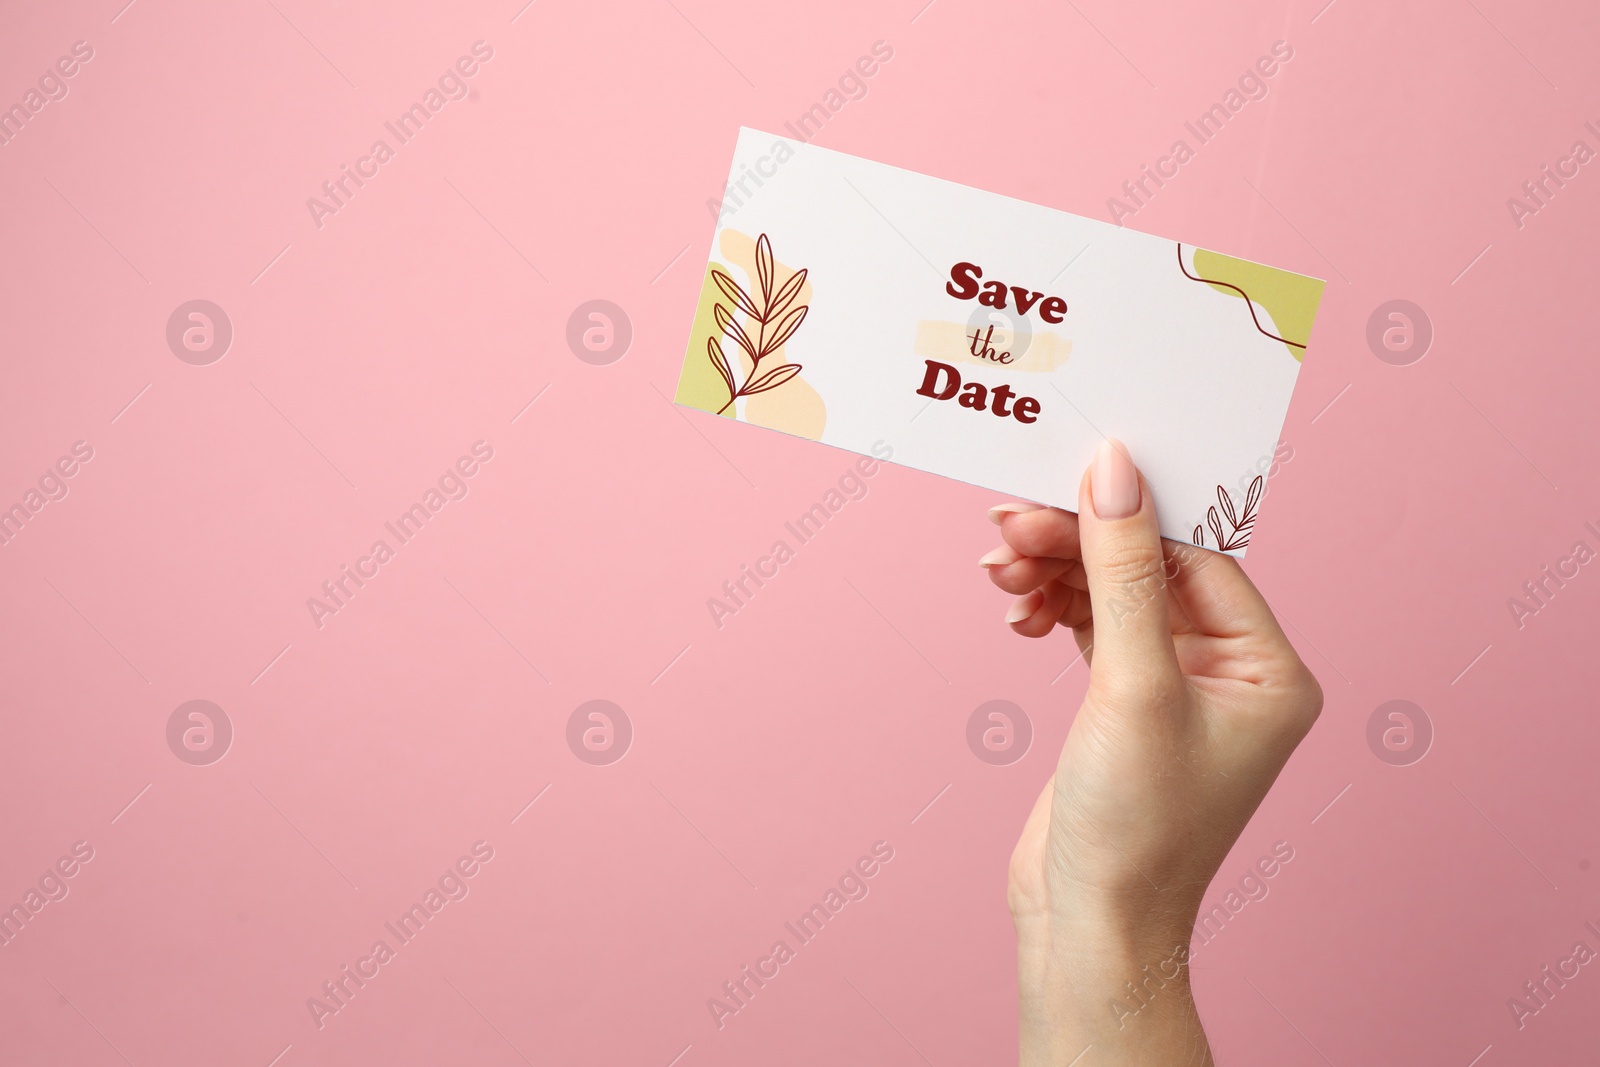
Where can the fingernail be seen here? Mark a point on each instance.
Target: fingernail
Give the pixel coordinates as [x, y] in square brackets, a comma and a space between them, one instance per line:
[1024, 607]
[1114, 483]
[999, 511]
[1003, 556]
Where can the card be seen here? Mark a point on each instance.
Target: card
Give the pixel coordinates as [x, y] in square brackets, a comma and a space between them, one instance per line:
[991, 340]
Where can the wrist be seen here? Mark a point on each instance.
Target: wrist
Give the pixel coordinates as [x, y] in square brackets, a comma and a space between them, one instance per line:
[1136, 924]
[1110, 984]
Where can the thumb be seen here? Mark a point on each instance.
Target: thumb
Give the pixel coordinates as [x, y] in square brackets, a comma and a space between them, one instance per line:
[1133, 652]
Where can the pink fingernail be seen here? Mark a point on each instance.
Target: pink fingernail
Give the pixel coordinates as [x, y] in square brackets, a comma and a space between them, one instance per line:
[999, 511]
[1114, 483]
[1024, 607]
[1003, 556]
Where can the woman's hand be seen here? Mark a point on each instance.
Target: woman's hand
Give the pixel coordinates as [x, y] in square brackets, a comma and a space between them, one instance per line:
[1196, 700]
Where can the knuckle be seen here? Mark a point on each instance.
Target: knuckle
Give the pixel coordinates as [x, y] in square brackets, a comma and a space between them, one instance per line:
[1313, 695]
[1183, 559]
[1012, 580]
[1295, 710]
[1132, 700]
[1129, 566]
[1299, 685]
[1047, 533]
[1032, 629]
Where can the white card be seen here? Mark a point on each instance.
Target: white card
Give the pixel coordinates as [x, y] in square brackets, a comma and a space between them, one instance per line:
[992, 340]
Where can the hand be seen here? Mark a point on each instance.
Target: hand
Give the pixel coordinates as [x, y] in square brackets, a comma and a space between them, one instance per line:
[1195, 701]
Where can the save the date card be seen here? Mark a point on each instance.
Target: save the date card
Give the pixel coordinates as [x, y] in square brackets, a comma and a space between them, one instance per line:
[991, 340]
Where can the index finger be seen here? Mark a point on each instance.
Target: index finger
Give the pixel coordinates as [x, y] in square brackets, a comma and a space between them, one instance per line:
[1216, 594]
[1048, 533]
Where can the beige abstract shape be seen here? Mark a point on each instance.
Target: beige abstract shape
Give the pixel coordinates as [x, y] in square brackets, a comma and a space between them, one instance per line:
[795, 407]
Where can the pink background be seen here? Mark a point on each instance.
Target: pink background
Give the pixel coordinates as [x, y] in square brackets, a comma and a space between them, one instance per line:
[369, 353]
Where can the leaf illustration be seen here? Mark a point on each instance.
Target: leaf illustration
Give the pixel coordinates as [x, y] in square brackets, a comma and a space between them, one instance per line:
[729, 326]
[1199, 536]
[764, 268]
[1252, 498]
[772, 379]
[775, 305]
[732, 291]
[1227, 506]
[1242, 521]
[790, 323]
[719, 361]
[786, 294]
